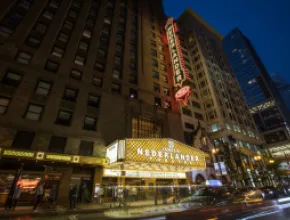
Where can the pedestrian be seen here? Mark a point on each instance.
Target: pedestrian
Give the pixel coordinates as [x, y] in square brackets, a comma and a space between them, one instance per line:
[39, 194]
[16, 195]
[81, 192]
[52, 196]
[73, 195]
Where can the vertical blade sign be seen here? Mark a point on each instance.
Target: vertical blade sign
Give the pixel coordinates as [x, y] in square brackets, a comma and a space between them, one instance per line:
[181, 75]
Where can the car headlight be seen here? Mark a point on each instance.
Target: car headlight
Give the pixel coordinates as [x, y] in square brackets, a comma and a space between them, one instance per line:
[271, 192]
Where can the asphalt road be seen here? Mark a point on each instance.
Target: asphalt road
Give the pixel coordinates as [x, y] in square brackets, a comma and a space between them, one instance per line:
[274, 212]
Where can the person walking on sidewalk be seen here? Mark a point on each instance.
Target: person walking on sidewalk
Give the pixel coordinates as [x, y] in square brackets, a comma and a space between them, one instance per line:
[16, 195]
[73, 195]
[39, 194]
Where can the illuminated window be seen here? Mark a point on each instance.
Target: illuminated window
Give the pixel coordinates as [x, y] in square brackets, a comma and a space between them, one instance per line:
[75, 74]
[90, 123]
[43, 88]
[48, 15]
[34, 112]
[83, 46]
[57, 51]
[32, 41]
[24, 57]
[214, 127]
[145, 128]
[64, 118]
[252, 81]
[97, 81]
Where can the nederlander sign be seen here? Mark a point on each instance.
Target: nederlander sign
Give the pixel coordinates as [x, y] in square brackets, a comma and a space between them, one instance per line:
[180, 74]
[163, 151]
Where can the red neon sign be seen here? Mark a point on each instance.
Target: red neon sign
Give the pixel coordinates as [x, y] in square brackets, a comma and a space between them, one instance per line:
[183, 94]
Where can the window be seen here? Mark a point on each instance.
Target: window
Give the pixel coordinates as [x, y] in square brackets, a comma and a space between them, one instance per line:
[116, 88]
[90, 123]
[23, 139]
[5, 31]
[70, 94]
[153, 35]
[156, 87]
[163, 67]
[116, 74]
[155, 74]
[11, 79]
[161, 57]
[83, 46]
[94, 101]
[32, 41]
[86, 148]
[153, 43]
[34, 112]
[43, 88]
[76, 74]
[189, 126]
[54, 4]
[165, 78]
[4, 102]
[154, 62]
[198, 116]
[23, 57]
[145, 128]
[57, 51]
[186, 111]
[133, 93]
[51, 66]
[69, 25]
[57, 144]
[117, 60]
[72, 13]
[48, 15]
[157, 101]
[99, 66]
[97, 81]
[195, 104]
[63, 37]
[87, 34]
[64, 118]
[41, 28]
[154, 52]
[80, 60]
[166, 91]
[107, 21]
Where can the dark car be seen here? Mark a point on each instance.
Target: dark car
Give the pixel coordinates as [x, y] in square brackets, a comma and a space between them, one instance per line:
[270, 192]
[211, 196]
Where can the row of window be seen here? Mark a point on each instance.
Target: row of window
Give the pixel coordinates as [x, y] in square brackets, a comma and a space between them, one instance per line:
[57, 144]
[34, 112]
[14, 17]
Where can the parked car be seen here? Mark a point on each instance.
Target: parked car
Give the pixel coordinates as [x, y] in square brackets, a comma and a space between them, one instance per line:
[211, 196]
[271, 192]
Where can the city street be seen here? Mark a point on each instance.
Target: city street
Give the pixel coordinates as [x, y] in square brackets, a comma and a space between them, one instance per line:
[265, 211]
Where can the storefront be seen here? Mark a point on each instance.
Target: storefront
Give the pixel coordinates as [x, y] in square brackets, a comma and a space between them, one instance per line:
[54, 170]
[144, 165]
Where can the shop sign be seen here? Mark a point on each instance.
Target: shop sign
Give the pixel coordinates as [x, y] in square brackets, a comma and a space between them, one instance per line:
[17, 153]
[180, 73]
[58, 157]
[28, 183]
[163, 151]
[144, 174]
[112, 152]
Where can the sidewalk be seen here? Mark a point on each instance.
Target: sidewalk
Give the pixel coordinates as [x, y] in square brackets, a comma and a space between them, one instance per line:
[80, 208]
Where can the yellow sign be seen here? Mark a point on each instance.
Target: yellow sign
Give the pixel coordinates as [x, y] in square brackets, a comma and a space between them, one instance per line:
[58, 157]
[17, 153]
[163, 151]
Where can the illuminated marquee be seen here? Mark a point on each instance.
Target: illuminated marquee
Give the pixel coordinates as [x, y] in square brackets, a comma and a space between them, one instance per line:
[163, 151]
[180, 72]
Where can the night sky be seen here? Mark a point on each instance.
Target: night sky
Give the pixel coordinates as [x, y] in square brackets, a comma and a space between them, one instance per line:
[265, 22]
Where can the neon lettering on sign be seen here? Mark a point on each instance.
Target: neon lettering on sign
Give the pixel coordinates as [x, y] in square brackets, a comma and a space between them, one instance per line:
[180, 72]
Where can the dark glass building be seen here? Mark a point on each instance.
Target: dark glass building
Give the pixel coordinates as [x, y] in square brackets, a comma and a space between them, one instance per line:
[262, 95]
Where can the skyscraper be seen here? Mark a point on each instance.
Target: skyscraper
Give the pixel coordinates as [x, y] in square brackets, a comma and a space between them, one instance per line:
[263, 98]
[218, 99]
[283, 87]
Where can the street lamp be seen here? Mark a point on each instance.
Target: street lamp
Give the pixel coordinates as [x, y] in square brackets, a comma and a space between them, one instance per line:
[271, 161]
